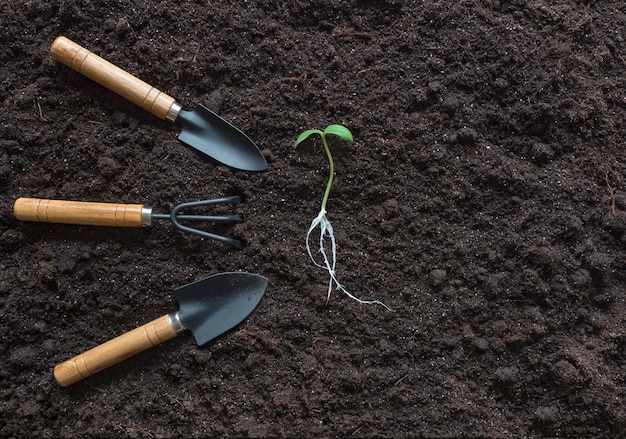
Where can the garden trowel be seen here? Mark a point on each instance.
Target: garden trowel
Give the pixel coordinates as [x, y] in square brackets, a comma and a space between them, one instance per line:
[208, 308]
[202, 129]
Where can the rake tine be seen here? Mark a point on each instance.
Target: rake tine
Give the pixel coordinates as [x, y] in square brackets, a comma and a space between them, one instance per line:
[175, 218]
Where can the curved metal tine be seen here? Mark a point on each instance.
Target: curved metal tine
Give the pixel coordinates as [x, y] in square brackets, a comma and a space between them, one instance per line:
[236, 199]
[199, 218]
[174, 218]
[208, 218]
[230, 241]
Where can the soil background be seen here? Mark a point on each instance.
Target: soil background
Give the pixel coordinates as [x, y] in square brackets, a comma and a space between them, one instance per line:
[483, 200]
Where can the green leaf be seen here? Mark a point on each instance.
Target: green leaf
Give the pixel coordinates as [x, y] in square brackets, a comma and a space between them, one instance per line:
[339, 130]
[306, 134]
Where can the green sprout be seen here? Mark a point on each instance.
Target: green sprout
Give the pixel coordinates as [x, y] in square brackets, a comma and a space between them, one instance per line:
[321, 221]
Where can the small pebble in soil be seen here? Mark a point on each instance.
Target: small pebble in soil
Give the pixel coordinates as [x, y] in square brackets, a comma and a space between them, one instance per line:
[438, 276]
[507, 374]
[108, 166]
[481, 344]
[566, 374]
[547, 413]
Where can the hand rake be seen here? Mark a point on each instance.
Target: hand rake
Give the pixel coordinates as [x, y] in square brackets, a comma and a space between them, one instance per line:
[122, 215]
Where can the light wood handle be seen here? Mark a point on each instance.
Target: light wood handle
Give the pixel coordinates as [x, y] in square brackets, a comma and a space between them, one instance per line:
[81, 212]
[114, 351]
[112, 77]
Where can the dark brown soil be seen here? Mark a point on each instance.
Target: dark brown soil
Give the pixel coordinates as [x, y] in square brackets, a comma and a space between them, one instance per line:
[483, 200]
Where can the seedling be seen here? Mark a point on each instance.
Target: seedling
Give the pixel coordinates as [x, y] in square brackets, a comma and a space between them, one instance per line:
[321, 221]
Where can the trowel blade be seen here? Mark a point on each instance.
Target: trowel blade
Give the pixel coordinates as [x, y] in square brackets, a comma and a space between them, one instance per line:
[207, 132]
[214, 305]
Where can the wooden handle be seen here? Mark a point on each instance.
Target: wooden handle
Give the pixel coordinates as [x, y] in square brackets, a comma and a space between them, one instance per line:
[112, 77]
[81, 212]
[114, 351]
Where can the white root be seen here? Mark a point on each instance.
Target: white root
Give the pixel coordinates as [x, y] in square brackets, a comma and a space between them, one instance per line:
[326, 231]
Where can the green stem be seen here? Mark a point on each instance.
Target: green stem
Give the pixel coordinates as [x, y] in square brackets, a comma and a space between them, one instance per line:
[331, 172]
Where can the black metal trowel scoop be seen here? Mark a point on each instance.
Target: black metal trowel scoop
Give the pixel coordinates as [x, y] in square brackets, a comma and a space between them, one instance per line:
[208, 308]
[202, 129]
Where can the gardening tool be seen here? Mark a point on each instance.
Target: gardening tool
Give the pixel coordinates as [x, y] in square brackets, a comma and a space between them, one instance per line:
[208, 308]
[120, 215]
[201, 129]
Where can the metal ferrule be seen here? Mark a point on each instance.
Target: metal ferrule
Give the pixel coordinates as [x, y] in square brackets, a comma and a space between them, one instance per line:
[146, 216]
[175, 322]
[172, 114]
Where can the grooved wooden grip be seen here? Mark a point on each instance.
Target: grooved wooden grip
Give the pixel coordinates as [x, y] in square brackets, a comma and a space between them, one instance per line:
[114, 351]
[78, 212]
[111, 77]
